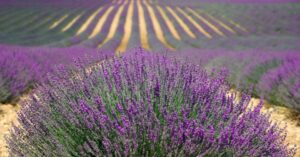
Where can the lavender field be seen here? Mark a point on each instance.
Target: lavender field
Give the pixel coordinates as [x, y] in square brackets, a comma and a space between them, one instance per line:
[218, 78]
[111, 25]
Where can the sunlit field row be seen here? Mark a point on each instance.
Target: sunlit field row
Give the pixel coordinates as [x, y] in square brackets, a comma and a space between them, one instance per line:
[115, 25]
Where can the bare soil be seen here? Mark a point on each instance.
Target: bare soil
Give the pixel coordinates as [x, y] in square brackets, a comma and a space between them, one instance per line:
[285, 117]
[8, 115]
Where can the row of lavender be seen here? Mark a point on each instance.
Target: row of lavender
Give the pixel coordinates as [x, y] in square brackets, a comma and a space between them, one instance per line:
[274, 76]
[22, 68]
[142, 104]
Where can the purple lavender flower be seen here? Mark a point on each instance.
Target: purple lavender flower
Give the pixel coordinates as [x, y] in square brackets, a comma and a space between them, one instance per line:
[23, 68]
[159, 113]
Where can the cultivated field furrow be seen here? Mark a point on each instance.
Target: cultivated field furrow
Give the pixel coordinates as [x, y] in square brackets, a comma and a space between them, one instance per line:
[19, 18]
[48, 35]
[40, 28]
[88, 21]
[206, 22]
[167, 32]
[154, 42]
[127, 29]
[72, 22]
[143, 31]
[114, 25]
[32, 21]
[59, 21]
[145, 23]
[220, 24]
[102, 28]
[10, 14]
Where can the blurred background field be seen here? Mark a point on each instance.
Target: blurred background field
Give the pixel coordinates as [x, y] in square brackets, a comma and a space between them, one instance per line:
[258, 41]
[234, 26]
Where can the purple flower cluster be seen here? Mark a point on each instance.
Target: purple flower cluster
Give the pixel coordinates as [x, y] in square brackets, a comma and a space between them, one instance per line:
[142, 104]
[22, 68]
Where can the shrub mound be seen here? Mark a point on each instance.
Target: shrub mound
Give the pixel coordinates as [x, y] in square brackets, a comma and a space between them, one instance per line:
[142, 105]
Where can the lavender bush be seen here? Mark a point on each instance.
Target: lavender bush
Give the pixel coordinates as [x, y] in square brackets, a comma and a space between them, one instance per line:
[22, 68]
[142, 104]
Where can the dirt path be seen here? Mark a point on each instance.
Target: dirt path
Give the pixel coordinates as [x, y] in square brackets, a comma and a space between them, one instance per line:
[8, 114]
[286, 117]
